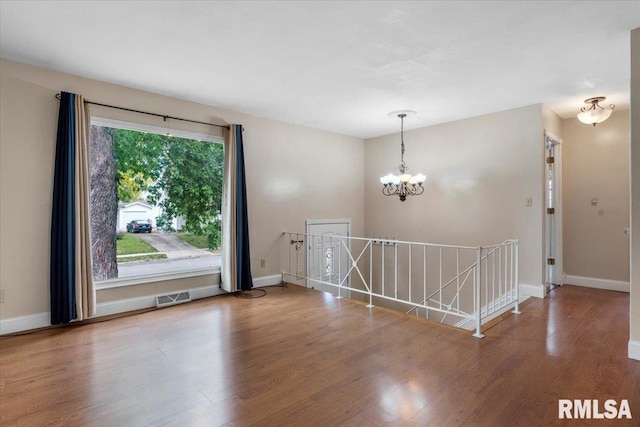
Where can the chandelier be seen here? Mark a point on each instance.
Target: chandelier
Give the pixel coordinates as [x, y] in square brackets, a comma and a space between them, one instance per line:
[595, 114]
[402, 183]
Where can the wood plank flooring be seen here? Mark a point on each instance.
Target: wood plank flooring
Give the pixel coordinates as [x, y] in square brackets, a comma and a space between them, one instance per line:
[299, 357]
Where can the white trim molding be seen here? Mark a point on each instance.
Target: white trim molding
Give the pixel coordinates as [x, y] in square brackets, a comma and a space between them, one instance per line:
[260, 282]
[155, 278]
[43, 320]
[590, 282]
[139, 127]
[634, 349]
[149, 301]
[24, 323]
[527, 291]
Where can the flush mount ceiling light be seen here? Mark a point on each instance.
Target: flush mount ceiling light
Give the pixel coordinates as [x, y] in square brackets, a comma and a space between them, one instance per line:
[402, 183]
[595, 113]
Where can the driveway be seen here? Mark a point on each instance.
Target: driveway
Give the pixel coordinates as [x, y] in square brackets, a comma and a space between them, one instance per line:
[171, 245]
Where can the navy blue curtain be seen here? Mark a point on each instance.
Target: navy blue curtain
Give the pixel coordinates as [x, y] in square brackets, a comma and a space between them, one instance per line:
[62, 280]
[243, 261]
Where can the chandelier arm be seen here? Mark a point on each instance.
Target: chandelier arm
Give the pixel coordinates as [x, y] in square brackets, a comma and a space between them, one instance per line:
[389, 190]
[417, 190]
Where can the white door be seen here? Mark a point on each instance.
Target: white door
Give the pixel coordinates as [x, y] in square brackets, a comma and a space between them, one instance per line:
[327, 255]
[553, 211]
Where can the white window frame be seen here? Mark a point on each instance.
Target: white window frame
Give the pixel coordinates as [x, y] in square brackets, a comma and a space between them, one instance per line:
[150, 278]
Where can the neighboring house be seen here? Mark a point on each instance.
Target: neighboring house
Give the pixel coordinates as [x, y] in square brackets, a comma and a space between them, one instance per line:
[140, 209]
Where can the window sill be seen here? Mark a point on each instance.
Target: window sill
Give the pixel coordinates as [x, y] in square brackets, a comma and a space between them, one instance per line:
[151, 278]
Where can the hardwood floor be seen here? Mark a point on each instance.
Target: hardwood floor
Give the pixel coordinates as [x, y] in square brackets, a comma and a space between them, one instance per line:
[299, 357]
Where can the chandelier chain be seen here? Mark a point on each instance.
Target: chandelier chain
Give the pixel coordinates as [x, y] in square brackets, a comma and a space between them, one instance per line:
[403, 167]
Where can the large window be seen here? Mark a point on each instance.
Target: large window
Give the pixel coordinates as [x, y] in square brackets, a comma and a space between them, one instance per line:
[155, 201]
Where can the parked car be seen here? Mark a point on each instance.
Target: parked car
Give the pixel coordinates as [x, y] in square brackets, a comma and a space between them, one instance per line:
[139, 226]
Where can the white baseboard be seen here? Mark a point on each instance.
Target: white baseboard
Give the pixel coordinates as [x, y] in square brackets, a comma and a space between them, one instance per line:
[589, 282]
[259, 282]
[25, 323]
[124, 305]
[42, 320]
[527, 291]
[149, 301]
[634, 349]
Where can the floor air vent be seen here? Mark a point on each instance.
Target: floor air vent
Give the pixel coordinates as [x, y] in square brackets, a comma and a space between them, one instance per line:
[172, 299]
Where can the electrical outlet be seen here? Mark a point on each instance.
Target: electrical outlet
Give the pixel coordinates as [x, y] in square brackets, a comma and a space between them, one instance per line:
[301, 273]
[1, 296]
[528, 202]
[263, 263]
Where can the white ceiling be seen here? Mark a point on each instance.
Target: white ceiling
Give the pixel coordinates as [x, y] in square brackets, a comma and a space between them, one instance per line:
[338, 66]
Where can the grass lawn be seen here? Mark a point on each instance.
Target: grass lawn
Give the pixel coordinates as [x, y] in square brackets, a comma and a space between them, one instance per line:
[199, 242]
[128, 244]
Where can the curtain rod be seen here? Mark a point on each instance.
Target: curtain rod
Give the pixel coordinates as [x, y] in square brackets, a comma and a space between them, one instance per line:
[165, 117]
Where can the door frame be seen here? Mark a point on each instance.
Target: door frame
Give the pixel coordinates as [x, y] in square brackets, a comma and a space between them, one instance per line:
[553, 242]
[311, 222]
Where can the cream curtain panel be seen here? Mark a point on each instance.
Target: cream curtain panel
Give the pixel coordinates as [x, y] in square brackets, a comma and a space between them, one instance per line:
[85, 290]
[229, 259]
[236, 265]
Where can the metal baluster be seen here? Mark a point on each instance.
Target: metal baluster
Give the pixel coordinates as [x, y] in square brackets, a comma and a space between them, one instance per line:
[340, 243]
[370, 274]
[289, 246]
[493, 276]
[458, 279]
[410, 273]
[499, 275]
[440, 279]
[395, 271]
[424, 281]
[517, 280]
[383, 247]
[478, 275]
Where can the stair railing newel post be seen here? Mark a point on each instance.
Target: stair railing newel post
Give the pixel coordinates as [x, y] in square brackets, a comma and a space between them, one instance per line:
[516, 278]
[477, 293]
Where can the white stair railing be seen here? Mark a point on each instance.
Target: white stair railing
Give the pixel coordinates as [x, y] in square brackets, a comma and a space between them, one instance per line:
[471, 283]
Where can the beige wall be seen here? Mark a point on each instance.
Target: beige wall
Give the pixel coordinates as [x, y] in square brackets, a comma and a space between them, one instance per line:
[551, 122]
[479, 173]
[294, 173]
[596, 165]
[635, 195]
